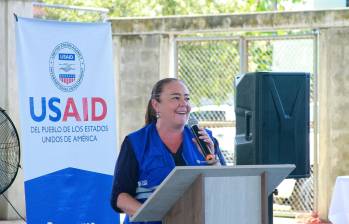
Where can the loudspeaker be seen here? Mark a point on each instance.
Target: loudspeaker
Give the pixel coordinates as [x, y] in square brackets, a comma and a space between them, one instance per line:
[272, 120]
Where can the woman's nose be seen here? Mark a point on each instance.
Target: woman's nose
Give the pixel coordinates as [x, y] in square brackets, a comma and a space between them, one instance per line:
[183, 102]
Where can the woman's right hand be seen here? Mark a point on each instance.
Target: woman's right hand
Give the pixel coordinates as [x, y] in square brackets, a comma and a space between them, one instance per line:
[206, 138]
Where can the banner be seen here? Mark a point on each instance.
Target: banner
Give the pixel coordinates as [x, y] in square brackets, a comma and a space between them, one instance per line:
[67, 115]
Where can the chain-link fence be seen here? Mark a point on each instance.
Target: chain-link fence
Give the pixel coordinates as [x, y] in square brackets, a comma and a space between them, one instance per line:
[301, 198]
[282, 53]
[209, 65]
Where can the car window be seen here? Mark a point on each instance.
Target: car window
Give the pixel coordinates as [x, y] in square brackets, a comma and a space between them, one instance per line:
[209, 115]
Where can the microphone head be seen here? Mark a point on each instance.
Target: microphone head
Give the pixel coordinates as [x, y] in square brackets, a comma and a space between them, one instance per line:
[192, 121]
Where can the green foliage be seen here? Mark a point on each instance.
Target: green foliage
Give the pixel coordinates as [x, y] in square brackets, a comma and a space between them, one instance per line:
[260, 56]
[66, 14]
[209, 68]
[136, 8]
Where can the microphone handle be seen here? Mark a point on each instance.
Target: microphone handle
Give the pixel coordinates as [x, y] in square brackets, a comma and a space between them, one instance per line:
[203, 145]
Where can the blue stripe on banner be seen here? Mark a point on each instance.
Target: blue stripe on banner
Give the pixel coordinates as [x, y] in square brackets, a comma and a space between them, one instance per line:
[70, 196]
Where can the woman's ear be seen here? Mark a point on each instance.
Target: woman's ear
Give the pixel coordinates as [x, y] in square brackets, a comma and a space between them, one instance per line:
[155, 105]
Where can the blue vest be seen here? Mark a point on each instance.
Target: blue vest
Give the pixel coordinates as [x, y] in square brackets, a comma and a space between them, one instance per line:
[155, 161]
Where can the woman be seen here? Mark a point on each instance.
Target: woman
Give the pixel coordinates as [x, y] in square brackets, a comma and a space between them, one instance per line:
[148, 155]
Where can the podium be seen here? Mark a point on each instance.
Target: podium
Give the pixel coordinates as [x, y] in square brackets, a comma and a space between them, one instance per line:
[214, 194]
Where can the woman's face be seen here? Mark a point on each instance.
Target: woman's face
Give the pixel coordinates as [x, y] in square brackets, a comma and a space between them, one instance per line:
[174, 106]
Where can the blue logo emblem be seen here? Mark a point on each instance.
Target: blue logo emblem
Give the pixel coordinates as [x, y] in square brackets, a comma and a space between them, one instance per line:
[66, 66]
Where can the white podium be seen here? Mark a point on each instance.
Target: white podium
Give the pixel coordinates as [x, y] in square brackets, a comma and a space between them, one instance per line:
[211, 195]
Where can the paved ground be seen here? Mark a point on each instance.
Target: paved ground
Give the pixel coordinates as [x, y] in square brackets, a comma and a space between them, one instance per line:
[276, 221]
[284, 221]
[12, 222]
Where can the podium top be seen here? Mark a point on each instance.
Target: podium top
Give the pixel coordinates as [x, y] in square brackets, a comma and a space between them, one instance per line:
[180, 179]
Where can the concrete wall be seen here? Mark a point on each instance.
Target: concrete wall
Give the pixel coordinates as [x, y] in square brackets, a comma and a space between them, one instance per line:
[9, 91]
[266, 21]
[334, 110]
[141, 60]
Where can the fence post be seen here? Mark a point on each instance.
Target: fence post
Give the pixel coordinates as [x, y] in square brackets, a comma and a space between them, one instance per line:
[315, 121]
[243, 55]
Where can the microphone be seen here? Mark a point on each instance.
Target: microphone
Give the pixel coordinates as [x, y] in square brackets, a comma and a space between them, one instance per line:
[193, 125]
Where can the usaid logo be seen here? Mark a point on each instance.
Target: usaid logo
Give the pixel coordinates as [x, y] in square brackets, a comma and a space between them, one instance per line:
[66, 66]
[68, 57]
